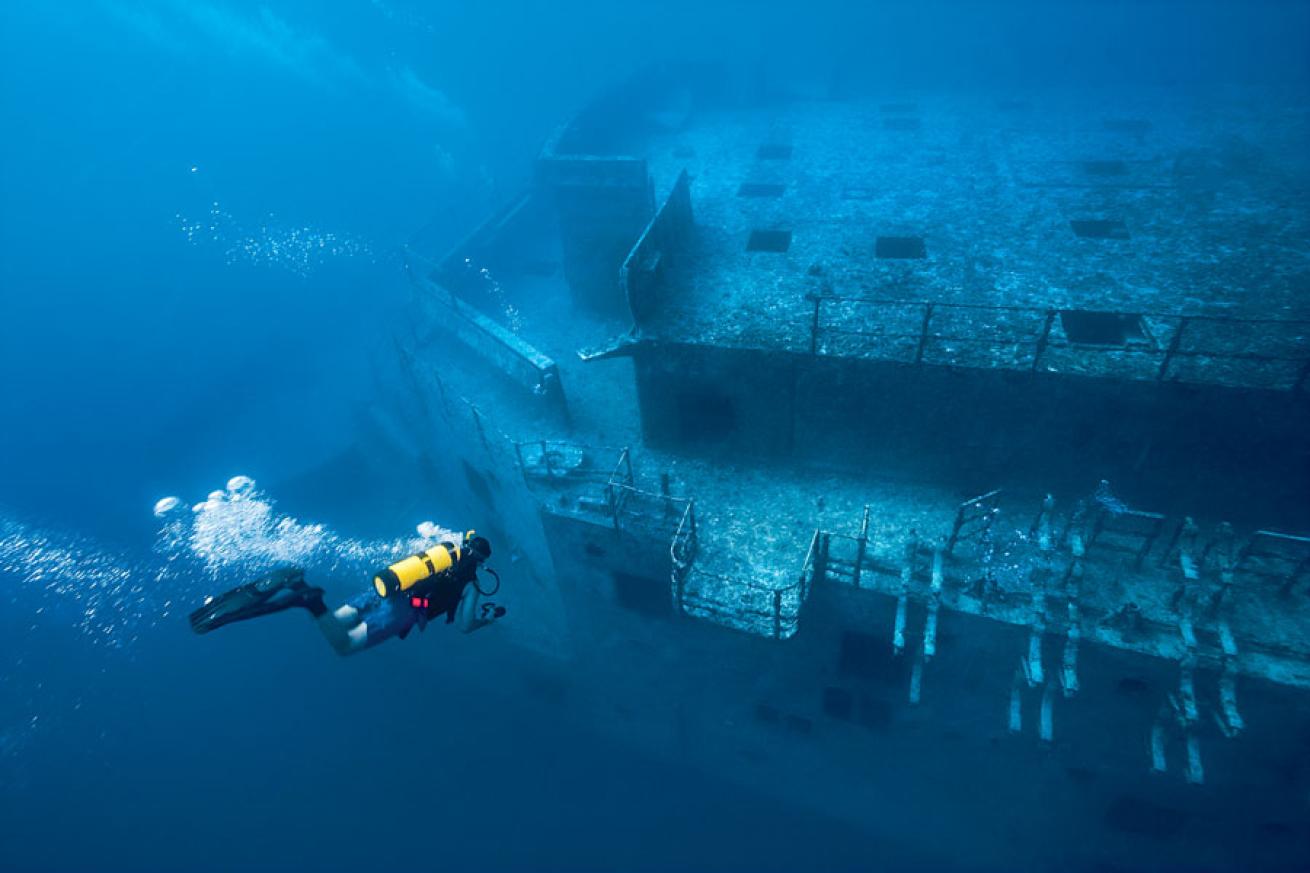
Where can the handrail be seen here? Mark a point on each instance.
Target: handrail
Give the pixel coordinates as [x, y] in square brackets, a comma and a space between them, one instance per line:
[1036, 340]
[615, 495]
[785, 602]
[893, 301]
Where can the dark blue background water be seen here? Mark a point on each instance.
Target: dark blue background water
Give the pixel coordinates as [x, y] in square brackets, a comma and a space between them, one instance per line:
[139, 362]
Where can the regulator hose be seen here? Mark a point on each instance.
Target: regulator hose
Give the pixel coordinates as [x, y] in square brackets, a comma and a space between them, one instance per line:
[492, 592]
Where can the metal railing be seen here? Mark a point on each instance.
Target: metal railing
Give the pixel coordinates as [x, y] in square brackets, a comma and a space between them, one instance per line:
[515, 358]
[742, 603]
[1171, 347]
[620, 485]
[552, 461]
[683, 549]
[974, 518]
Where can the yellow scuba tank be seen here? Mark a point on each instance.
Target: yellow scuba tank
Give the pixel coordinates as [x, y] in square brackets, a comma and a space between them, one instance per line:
[408, 572]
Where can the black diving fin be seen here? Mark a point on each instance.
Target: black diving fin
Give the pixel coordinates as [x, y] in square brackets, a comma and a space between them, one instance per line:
[274, 592]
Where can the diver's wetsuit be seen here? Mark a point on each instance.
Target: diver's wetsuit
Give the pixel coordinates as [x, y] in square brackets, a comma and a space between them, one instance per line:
[366, 619]
[396, 616]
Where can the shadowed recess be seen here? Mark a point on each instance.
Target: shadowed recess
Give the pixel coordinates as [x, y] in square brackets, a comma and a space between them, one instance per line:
[1085, 327]
[901, 247]
[769, 241]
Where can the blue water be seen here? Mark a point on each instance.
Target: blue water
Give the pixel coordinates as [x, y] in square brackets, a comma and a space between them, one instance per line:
[201, 207]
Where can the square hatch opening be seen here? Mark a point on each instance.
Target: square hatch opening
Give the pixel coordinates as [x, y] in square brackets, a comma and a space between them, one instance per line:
[774, 151]
[900, 247]
[760, 189]
[1099, 228]
[769, 241]
[1089, 328]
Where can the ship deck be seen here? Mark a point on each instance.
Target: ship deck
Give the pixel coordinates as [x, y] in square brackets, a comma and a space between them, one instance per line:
[998, 215]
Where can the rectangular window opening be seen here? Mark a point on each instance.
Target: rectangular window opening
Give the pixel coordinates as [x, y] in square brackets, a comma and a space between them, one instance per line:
[769, 241]
[1116, 329]
[901, 247]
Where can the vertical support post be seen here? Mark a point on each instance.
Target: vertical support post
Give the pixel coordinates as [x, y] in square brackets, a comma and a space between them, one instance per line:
[777, 615]
[1232, 718]
[1195, 770]
[934, 604]
[916, 679]
[1069, 675]
[1174, 344]
[955, 530]
[1045, 722]
[1033, 663]
[1043, 340]
[862, 545]
[923, 333]
[1016, 701]
[1159, 760]
[814, 327]
[902, 597]
[545, 457]
[1042, 526]
[821, 559]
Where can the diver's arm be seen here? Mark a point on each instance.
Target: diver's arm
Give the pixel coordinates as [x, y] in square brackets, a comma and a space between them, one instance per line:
[474, 613]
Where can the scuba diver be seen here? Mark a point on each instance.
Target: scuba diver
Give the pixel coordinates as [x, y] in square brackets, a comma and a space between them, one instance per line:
[413, 591]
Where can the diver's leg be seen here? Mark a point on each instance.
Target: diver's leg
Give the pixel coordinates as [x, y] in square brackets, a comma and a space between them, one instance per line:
[346, 628]
[274, 592]
[344, 639]
[365, 621]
